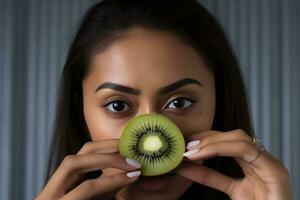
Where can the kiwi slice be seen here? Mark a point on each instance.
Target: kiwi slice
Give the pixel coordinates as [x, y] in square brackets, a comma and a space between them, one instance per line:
[154, 141]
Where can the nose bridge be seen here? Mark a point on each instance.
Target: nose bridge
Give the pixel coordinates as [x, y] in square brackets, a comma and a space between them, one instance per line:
[149, 109]
[148, 105]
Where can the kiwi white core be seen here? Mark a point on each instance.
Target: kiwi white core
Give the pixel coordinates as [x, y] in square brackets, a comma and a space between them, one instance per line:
[152, 143]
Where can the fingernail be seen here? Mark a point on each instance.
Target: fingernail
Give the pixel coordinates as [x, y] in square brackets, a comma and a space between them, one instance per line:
[191, 152]
[134, 173]
[192, 143]
[133, 163]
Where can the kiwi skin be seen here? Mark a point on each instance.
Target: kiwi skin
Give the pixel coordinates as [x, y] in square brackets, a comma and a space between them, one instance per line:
[166, 145]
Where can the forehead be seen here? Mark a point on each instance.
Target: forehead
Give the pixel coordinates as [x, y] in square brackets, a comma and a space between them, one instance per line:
[147, 58]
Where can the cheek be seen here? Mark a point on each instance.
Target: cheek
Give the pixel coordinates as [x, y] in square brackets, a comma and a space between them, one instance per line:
[201, 119]
[200, 122]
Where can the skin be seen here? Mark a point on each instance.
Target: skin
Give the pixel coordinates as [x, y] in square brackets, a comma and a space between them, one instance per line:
[149, 60]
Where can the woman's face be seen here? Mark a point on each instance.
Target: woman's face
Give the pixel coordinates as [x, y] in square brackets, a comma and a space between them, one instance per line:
[148, 65]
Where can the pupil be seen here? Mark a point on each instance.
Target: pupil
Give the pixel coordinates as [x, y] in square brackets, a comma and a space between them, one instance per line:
[179, 102]
[118, 106]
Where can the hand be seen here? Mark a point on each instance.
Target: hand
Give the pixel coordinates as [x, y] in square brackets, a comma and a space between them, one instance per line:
[266, 178]
[92, 156]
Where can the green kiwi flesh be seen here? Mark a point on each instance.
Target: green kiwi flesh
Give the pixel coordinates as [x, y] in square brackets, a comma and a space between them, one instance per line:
[154, 141]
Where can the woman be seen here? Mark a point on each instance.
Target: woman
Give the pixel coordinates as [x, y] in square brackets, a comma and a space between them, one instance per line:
[135, 57]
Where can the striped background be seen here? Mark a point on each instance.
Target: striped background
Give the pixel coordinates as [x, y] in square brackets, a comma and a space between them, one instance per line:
[34, 39]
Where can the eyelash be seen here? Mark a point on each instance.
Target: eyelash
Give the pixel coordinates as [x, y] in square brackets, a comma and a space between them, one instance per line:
[192, 101]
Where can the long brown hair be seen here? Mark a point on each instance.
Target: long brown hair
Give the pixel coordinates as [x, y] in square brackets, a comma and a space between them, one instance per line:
[109, 20]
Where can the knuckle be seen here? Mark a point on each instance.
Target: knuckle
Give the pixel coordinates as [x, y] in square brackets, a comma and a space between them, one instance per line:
[86, 147]
[68, 162]
[241, 132]
[115, 158]
[206, 179]
[88, 185]
[107, 160]
[111, 161]
[230, 189]
[206, 140]
[245, 149]
[245, 146]
[119, 178]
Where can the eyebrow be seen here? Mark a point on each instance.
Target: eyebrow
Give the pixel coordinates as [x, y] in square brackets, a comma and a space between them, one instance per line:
[161, 91]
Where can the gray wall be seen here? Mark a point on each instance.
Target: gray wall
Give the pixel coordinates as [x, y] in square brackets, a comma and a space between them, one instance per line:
[34, 38]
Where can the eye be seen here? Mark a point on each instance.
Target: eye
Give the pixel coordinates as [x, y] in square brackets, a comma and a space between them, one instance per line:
[117, 105]
[181, 103]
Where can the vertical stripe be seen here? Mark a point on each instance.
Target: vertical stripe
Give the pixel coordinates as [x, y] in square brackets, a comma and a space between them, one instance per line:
[253, 64]
[266, 73]
[5, 127]
[286, 84]
[31, 139]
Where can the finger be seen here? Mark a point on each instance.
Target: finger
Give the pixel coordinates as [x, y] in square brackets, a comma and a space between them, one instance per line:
[185, 159]
[217, 136]
[95, 187]
[73, 166]
[199, 135]
[206, 176]
[103, 146]
[242, 149]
